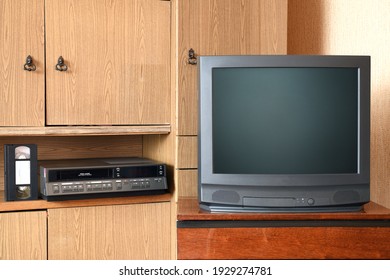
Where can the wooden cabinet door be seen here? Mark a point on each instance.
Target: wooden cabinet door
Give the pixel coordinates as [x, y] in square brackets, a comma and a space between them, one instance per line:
[218, 27]
[118, 62]
[223, 27]
[23, 236]
[139, 231]
[22, 92]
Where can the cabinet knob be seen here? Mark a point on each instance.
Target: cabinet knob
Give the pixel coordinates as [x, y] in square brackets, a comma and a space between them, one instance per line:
[29, 65]
[61, 66]
[192, 59]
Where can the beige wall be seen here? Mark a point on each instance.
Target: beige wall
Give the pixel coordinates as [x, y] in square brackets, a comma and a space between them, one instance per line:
[353, 27]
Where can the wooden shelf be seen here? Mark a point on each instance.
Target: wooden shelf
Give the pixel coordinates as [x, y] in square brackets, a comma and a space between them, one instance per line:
[85, 130]
[40, 204]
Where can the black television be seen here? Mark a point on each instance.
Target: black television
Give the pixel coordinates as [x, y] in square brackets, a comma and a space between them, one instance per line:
[284, 133]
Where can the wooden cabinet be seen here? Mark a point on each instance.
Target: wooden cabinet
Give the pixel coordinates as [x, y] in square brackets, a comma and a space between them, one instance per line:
[117, 55]
[138, 227]
[118, 62]
[127, 73]
[354, 235]
[223, 27]
[22, 92]
[23, 235]
[217, 27]
[138, 231]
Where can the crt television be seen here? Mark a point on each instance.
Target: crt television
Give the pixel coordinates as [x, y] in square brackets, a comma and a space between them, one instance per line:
[284, 133]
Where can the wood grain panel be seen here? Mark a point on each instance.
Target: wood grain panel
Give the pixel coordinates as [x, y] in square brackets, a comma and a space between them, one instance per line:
[76, 147]
[118, 57]
[223, 27]
[21, 34]
[159, 147]
[187, 147]
[188, 181]
[284, 243]
[140, 231]
[23, 236]
[336, 27]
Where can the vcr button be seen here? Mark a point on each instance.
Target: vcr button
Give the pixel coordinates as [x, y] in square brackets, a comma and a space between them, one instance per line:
[56, 189]
[66, 189]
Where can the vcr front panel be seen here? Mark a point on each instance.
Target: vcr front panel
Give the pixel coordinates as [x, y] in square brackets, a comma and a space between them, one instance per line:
[88, 178]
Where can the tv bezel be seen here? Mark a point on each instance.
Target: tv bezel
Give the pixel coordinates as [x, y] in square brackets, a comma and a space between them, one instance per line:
[280, 182]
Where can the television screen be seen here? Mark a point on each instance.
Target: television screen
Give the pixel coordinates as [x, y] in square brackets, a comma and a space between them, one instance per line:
[286, 120]
[279, 131]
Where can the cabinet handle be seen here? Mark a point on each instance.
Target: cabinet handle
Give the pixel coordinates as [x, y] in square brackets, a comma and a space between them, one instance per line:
[61, 66]
[192, 59]
[29, 65]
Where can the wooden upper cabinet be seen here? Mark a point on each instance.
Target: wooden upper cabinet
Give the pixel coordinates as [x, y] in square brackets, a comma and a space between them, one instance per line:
[223, 27]
[22, 92]
[117, 55]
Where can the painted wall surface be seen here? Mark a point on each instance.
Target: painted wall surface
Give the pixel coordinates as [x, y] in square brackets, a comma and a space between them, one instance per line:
[353, 27]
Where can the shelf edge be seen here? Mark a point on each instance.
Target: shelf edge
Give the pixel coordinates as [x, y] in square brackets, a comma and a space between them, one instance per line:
[85, 130]
[40, 204]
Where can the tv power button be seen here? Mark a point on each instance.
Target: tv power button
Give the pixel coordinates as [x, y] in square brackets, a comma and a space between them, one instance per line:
[310, 201]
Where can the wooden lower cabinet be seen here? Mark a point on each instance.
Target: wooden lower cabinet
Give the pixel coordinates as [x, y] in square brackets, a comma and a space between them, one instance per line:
[288, 242]
[23, 235]
[136, 231]
[346, 235]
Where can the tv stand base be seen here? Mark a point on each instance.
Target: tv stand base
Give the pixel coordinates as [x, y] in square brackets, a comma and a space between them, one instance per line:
[349, 235]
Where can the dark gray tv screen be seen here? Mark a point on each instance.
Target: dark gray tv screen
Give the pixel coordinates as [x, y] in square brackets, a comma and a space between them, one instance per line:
[284, 133]
[286, 127]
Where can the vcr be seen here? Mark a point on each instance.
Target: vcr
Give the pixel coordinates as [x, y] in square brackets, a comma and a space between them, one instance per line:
[101, 177]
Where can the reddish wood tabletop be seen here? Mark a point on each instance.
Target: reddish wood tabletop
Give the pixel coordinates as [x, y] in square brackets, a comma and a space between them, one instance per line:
[350, 235]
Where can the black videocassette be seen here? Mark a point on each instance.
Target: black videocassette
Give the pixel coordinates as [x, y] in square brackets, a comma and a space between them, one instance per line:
[20, 172]
[101, 177]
